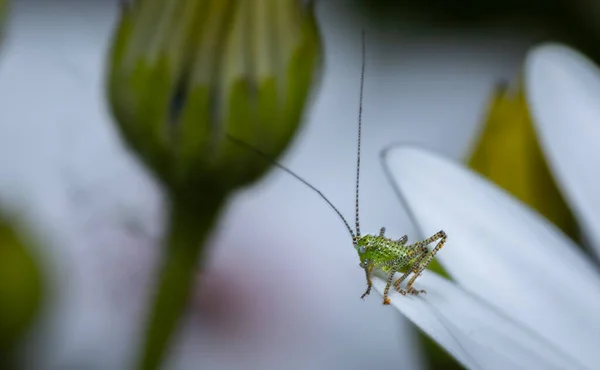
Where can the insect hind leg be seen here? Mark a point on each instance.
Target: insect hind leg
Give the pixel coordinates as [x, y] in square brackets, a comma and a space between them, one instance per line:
[412, 268]
[426, 260]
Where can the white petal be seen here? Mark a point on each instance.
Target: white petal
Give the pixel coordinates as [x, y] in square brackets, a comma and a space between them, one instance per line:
[476, 334]
[563, 90]
[503, 251]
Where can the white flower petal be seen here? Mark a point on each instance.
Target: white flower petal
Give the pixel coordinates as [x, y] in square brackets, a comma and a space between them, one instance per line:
[563, 90]
[503, 251]
[476, 334]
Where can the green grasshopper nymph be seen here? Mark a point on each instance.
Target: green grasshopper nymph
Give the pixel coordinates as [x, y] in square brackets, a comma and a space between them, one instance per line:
[376, 251]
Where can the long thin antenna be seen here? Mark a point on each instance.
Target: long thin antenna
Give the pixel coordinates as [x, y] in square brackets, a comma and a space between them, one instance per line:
[275, 163]
[360, 104]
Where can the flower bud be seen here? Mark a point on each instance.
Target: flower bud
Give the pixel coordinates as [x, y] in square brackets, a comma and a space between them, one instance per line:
[4, 4]
[185, 75]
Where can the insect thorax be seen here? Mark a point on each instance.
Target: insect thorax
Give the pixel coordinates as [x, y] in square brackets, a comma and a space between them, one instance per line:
[382, 252]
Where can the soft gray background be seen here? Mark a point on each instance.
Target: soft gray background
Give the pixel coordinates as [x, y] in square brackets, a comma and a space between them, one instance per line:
[283, 284]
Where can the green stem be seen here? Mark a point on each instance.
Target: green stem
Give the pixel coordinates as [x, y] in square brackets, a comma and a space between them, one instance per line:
[189, 228]
[436, 357]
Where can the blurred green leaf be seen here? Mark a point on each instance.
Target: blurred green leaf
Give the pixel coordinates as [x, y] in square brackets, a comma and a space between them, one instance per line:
[20, 288]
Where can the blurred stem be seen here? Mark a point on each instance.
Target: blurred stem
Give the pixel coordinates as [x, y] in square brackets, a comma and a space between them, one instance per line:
[436, 357]
[7, 361]
[190, 226]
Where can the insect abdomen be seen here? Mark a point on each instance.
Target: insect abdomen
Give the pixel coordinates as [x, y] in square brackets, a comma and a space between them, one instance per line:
[386, 251]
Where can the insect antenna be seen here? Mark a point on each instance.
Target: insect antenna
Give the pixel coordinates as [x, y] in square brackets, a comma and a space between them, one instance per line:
[360, 108]
[277, 164]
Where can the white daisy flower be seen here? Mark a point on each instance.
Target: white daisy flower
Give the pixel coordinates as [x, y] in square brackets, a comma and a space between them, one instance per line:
[524, 295]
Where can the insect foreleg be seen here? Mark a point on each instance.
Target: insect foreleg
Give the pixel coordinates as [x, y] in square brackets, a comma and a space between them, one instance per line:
[441, 236]
[368, 272]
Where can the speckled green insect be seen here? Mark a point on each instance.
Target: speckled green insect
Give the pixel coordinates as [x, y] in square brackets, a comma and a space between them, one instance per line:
[391, 256]
[378, 251]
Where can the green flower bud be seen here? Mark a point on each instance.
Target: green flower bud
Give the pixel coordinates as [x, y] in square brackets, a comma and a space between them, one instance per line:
[20, 290]
[185, 78]
[3, 12]
[186, 74]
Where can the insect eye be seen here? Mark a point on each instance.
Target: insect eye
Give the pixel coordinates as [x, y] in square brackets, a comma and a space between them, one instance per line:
[361, 250]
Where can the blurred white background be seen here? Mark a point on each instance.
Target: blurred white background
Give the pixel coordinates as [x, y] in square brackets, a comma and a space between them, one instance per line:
[283, 286]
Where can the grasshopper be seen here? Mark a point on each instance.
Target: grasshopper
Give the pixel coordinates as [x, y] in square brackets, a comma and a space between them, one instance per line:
[376, 251]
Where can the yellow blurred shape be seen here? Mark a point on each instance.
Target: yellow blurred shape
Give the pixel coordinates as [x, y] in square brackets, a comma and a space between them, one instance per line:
[508, 154]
